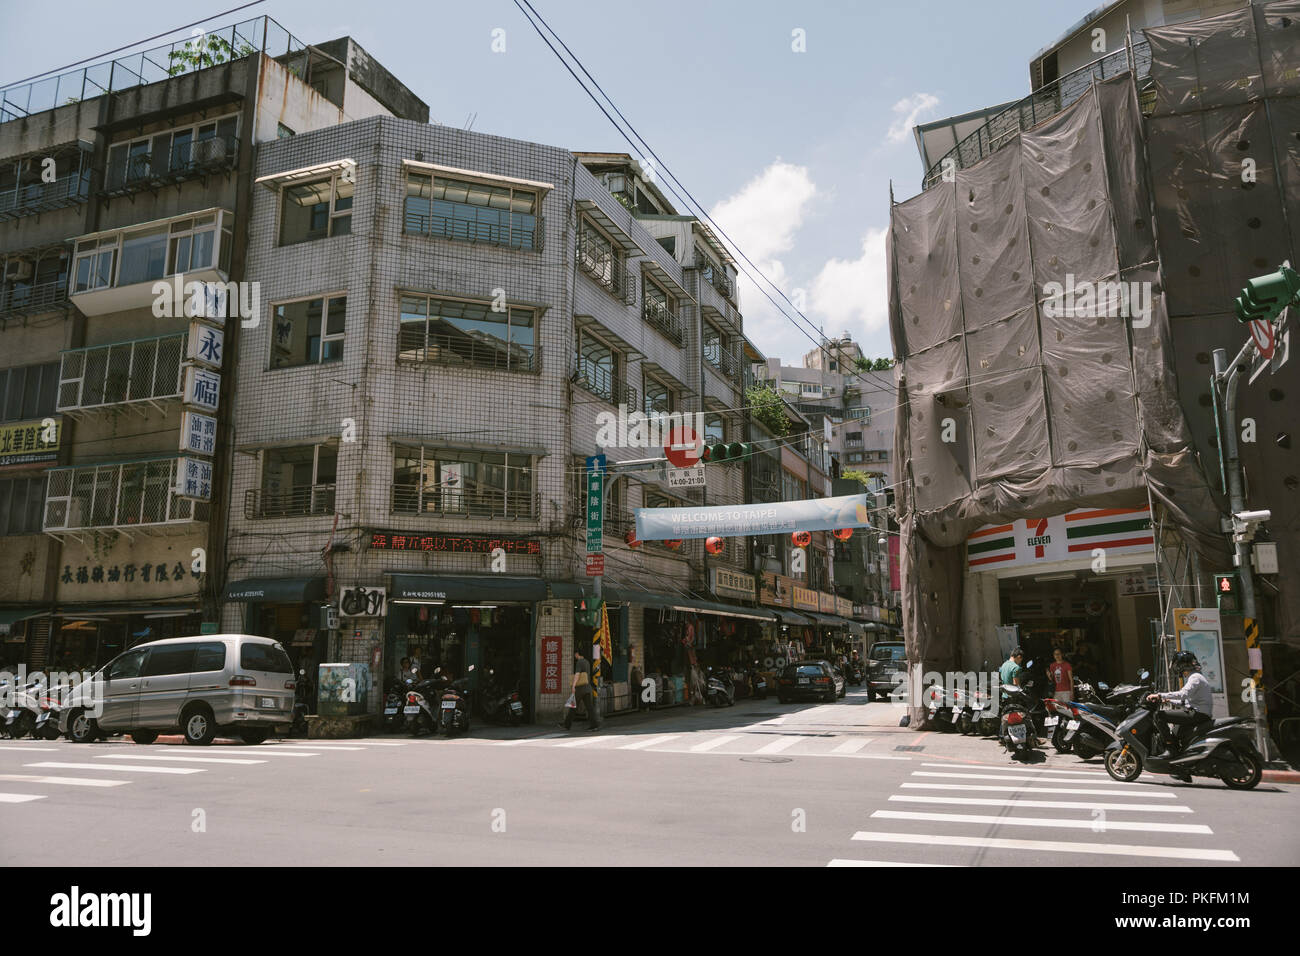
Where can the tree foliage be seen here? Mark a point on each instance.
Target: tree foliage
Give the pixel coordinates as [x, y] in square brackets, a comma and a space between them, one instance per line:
[874, 365]
[768, 409]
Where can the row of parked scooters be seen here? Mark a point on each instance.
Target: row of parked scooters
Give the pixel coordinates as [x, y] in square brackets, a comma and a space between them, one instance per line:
[438, 704]
[1118, 722]
[32, 711]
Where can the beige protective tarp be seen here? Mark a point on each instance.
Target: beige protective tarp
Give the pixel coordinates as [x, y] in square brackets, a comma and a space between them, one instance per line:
[1018, 403]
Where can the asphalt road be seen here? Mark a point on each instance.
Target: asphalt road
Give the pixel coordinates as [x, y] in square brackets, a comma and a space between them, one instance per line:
[759, 784]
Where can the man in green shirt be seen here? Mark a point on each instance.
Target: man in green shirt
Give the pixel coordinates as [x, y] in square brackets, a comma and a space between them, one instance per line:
[1011, 670]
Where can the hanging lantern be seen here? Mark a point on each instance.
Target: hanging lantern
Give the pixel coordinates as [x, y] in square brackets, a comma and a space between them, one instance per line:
[843, 534]
[673, 545]
[631, 539]
[801, 539]
[715, 545]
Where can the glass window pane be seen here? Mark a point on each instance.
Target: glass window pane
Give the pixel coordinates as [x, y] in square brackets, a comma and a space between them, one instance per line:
[336, 313]
[143, 256]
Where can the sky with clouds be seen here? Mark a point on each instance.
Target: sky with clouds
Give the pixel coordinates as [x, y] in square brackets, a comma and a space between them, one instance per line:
[791, 151]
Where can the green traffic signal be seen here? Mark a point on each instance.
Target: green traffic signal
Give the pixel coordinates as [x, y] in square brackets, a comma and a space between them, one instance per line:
[1264, 297]
[727, 452]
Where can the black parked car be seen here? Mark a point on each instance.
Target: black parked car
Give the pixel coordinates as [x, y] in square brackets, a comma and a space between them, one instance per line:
[810, 680]
[887, 660]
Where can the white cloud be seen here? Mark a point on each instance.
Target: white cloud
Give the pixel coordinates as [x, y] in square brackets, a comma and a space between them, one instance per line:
[907, 110]
[763, 218]
[852, 294]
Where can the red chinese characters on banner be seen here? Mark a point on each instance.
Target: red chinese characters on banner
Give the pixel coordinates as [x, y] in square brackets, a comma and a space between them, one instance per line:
[462, 544]
[551, 665]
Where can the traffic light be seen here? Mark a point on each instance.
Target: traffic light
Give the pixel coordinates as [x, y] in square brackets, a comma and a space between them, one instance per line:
[728, 452]
[1266, 296]
[1225, 589]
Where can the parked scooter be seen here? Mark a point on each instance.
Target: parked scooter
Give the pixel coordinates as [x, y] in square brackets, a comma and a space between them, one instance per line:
[757, 683]
[1224, 748]
[394, 721]
[940, 707]
[421, 718]
[453, 708]
[501, 706]
[24, 709]
[720, 690]
[1017, 729]
[301, 705]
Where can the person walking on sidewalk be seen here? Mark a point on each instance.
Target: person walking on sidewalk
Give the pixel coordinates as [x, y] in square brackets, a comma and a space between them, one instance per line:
[581, 690]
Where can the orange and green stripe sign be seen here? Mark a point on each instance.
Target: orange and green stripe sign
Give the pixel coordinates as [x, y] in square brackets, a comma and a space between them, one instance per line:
[1109, 528]
[991, 545]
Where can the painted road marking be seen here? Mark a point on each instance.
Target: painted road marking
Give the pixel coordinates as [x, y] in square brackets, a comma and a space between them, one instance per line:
[55, 765]
[650, 742]
[1139, 794]
[781, 743]
[851, 746]
[884, 863]
[187, 759]
[715, 742]
[1053, 846]
[20, 797]
[1100, 826]
[67, 781]
[1044, 804]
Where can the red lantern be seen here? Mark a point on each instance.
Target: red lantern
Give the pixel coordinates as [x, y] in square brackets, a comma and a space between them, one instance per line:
[715, 545]
[843, 534]
[631, 539]
[674, 545]
[801, 539]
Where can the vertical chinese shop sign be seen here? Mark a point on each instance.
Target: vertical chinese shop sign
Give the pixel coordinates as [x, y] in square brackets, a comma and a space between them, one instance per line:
[551, 665]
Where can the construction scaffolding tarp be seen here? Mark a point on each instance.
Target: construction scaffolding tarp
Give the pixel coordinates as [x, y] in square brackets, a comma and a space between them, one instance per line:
[1037, 366]
[1224, 145]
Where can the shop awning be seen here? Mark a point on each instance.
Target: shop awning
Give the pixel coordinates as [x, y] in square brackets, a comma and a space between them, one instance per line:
[827, 620]
[856, 629]
[277, 590]
[678, 602]
[111, 610]
[793, 617]
[437, 588]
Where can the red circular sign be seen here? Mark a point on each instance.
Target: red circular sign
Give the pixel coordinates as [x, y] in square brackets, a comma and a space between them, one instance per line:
[684, 447]
[1262, 332]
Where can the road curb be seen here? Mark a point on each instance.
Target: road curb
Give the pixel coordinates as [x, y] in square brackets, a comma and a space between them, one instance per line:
[1282, 776]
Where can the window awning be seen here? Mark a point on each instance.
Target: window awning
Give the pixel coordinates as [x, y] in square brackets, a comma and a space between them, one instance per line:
[439, 588]
[474, 174]
[616, 232]
[827, 620]
[663, 277]
[277, 590]
[711, 239]
[792, 617]
[289, 177]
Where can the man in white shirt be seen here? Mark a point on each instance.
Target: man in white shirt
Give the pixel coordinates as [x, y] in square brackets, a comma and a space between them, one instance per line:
[1196, 696]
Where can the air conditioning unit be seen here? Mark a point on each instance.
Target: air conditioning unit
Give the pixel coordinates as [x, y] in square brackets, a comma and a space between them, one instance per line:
[769, 551]
[18, 270]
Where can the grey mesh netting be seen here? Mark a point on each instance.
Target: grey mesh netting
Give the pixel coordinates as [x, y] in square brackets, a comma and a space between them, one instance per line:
[1048, 405]
[1228, 92]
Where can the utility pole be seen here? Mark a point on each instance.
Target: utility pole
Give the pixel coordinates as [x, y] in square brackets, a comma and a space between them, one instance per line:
[1228, 376]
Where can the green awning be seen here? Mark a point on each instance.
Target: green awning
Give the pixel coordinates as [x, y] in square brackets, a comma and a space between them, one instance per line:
[437, 588]
[793, 617]
[277, 590]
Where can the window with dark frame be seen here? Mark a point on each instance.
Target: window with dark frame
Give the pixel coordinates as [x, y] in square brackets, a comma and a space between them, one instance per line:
[495, 213]
[22, 505]
[456, 332]
[29, 392]
[308, 331]
[429, 480]
[316, 210]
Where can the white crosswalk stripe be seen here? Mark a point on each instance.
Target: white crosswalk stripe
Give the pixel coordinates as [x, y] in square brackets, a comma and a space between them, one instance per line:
[59, 765]
[1054, 846]
[581, 742]
[1041, 804]
[715, 743]
[1000, 776]
[1089, 791]
[180, 757]
[882, 863]
[776, 746]
[1092, 772]
[649, 742]
[20, 797]
[63, 781]
[851, 746]
[1098, 825]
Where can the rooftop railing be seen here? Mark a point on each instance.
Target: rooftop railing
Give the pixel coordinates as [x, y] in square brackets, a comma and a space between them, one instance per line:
[1042, 104]
[223, 45]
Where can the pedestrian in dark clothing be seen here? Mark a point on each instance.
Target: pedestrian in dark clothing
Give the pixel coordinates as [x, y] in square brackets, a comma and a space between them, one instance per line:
[581, 689]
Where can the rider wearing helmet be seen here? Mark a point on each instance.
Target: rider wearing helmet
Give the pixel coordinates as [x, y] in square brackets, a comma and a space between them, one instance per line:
[1196, 696]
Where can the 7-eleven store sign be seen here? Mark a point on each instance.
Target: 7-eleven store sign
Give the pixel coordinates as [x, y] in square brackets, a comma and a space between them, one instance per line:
[1037, 541]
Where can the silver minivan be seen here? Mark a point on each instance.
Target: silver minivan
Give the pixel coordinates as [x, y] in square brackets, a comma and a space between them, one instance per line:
[235, 683]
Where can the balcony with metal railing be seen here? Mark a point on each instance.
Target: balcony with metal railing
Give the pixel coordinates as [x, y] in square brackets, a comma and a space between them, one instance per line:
[1044, 103]
[609, 271]
[665, 320]
[142, 371]
[511, 230]
[30, 199]
[21, 300]
[485, 503]
[294, 502]
[602, 383]
[467, 349]
[182, 161]
[123, 496]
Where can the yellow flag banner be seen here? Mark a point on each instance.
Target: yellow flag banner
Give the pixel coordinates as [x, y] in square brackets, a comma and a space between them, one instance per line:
[602, 642]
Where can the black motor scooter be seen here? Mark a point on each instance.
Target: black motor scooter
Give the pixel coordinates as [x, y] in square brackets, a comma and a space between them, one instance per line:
[1223, 748]
[1022, 714]
[453, 707]
[720, 690]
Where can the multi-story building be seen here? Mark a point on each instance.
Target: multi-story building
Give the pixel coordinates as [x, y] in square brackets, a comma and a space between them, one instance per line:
[419, 401]
[1061, 468]
[120, 183]
[858, 404]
